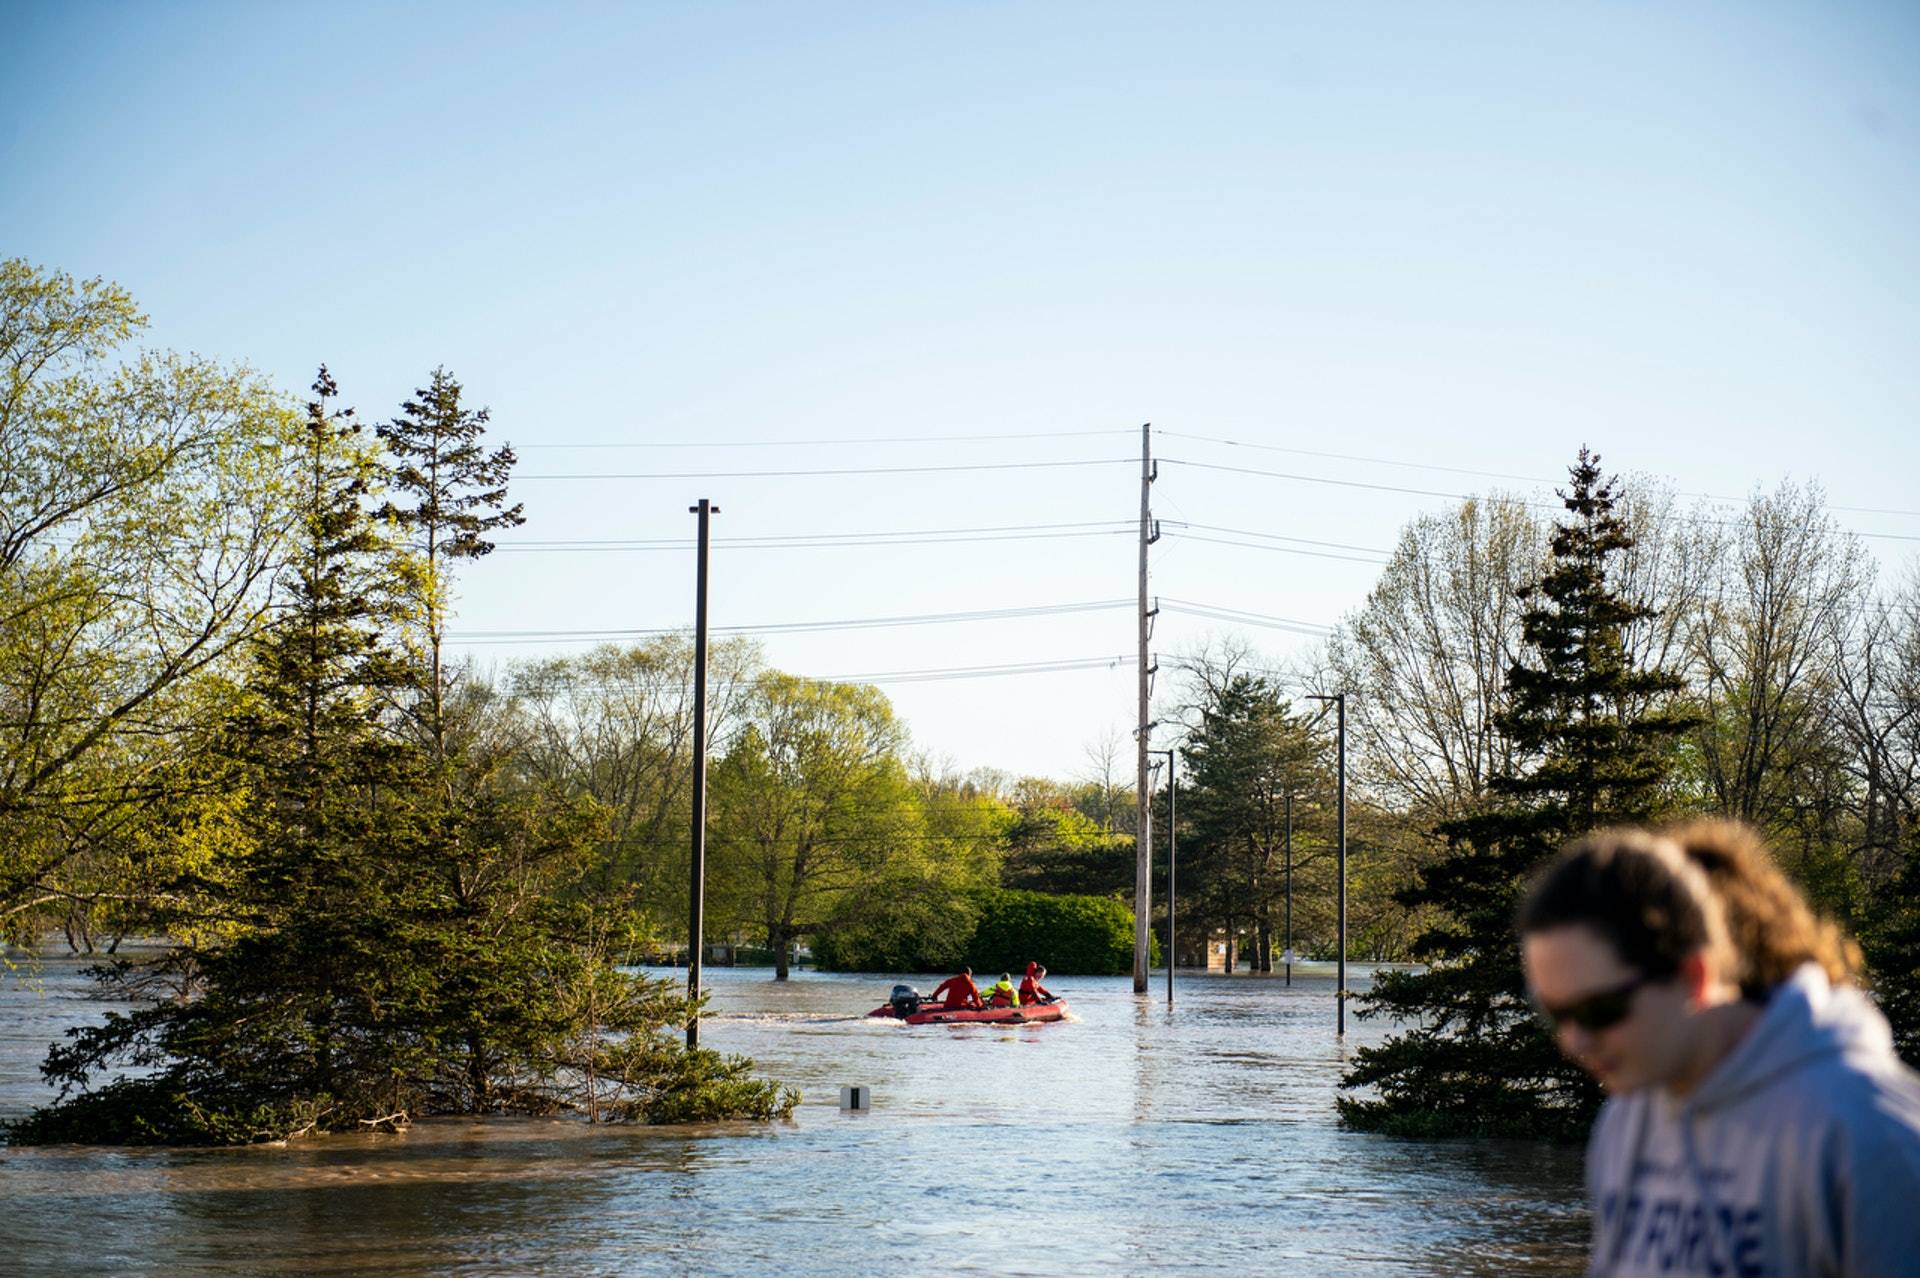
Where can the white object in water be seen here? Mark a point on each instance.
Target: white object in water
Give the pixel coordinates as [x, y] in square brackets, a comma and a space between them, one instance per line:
[856, 1098]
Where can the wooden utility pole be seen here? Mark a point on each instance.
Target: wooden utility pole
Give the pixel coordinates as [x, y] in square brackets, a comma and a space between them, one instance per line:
[1143, 822]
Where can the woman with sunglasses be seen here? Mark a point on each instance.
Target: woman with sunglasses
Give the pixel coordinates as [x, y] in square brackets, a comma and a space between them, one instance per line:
[1758, 1121]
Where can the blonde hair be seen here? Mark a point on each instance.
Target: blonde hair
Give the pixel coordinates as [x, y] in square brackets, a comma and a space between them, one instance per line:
[1774, 930]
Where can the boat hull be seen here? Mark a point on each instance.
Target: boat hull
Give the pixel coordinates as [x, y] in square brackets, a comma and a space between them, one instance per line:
[1035, 1014]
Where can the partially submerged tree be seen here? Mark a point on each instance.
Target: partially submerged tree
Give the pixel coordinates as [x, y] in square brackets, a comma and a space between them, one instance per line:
[370, 972]
[808, 805]
[1593, 742]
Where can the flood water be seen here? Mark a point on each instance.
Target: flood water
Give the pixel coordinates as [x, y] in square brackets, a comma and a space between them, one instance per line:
[1129, 1139]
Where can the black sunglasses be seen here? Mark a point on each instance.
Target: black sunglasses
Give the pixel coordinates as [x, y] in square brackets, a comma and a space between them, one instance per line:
[1595, 1012]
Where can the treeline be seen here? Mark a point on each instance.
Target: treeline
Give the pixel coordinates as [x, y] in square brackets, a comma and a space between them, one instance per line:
[822, 827]
[1520, 681]
[1796, 657]
[1518, 674]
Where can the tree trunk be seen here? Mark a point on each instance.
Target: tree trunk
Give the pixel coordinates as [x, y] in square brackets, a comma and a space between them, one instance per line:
[1264, 937]
[778, 940]
[477, 1072]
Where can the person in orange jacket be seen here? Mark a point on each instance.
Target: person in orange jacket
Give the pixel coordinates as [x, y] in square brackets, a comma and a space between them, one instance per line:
[1031, 990]
[958, 991]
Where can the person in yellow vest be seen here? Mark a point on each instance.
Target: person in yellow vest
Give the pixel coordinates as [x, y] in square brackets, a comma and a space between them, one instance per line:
[1002, 994]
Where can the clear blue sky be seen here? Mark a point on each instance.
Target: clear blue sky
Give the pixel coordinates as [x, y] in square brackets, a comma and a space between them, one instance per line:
[1464, 235]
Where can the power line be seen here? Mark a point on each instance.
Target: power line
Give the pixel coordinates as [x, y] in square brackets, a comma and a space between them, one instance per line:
[800, 627]
[1288, 550]
[900, 532]
[808, 541]
[1353, 457]
[843, 470]
[1221, 612]
[1482, 474]
[1360, 458]
[932, 674]
[1305, 541]
[806, 443]
[1429, 492]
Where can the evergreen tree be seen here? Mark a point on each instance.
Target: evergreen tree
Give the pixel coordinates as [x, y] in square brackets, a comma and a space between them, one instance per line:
[454, 494]
[308, 1017]
[487, 844]
[369, 973]
[1892, 945]
[1594, 740]
[1247, 754]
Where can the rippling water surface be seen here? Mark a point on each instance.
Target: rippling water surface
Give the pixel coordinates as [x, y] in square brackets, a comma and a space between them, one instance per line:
[1129, 1139]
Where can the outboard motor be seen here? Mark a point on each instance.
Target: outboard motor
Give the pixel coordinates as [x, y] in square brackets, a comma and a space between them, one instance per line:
[906, 1001]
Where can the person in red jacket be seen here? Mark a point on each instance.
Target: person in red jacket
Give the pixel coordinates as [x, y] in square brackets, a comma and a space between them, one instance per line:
[958, 991]
[1031, 990]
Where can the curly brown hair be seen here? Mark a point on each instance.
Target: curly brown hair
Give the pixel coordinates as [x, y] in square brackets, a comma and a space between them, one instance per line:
[1639, 892]
[1770, 923]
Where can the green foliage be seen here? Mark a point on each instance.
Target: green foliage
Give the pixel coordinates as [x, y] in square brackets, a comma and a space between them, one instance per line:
[1243, 760]
[397, 937]
[614, 724]
[901, 927]
[809, 805]
[1891, 941]
[1071, 935]
[143, 518]
[1056, 848]
[988, 929]
[1593, 736]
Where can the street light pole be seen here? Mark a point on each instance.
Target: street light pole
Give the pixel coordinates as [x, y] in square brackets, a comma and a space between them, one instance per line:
[1289, 950]
[697, 878]
[1339, 700]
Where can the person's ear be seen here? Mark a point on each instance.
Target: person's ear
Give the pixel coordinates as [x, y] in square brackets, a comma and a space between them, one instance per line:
[1696, 977]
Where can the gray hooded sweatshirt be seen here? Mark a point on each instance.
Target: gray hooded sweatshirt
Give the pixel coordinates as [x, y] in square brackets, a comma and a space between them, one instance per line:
[1798, 1155]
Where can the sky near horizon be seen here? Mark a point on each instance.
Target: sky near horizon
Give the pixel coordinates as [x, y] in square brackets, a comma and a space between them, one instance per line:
[700, 240]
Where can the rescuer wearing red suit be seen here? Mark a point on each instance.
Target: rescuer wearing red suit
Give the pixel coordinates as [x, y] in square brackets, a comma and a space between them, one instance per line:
[1031, 990]
[958, 991]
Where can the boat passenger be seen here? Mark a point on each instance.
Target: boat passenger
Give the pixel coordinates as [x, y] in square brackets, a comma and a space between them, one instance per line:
[1002, 994]
[958, 991]
[1031, 990]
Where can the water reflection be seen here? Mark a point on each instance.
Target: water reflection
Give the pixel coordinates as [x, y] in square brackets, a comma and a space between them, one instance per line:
[1134, 1138]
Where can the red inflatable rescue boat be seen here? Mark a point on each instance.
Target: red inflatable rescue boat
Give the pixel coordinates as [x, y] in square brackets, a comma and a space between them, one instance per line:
[907, 1005]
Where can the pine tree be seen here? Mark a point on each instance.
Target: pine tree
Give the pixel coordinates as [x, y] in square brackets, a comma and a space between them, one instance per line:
[455, 494]
[1594, 741]
[1243, 759]
[369, 973]
[308, 1017]
[486, 847]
